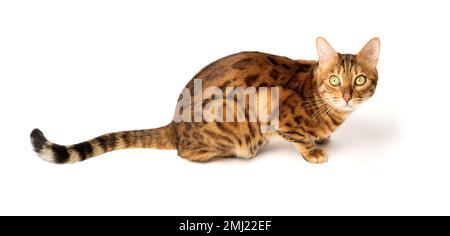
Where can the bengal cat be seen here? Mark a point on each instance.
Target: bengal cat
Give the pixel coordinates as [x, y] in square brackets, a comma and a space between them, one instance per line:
[314, 98]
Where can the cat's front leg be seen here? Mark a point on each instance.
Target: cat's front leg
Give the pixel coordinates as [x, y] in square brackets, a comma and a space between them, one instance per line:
[306, 146]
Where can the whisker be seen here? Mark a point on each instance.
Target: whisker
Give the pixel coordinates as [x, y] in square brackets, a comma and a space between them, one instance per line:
[318, 113]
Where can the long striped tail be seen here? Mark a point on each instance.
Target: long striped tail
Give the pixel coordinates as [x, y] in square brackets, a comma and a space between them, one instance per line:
[160, 138]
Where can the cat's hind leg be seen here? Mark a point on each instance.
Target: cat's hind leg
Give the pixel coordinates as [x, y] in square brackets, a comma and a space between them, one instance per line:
[199, 154]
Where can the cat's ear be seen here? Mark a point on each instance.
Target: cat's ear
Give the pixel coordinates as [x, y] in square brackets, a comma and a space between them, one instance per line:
[369, 53]
[327, 55]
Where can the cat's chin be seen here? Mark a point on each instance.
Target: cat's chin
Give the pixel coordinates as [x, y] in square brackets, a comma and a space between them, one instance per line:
[345, 108]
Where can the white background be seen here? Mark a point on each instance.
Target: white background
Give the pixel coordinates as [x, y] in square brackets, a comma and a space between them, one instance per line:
[77, 69]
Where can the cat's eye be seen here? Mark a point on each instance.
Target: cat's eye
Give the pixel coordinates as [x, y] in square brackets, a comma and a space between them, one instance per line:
[360, 80]
[335, 81]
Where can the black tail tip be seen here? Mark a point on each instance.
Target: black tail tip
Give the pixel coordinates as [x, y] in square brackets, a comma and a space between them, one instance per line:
[37, 140]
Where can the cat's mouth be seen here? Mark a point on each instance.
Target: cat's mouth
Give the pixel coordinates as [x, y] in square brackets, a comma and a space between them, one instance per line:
[347, 107]
[343, 106]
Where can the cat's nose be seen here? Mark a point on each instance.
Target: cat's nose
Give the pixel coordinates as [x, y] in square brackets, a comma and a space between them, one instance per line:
[347, 97]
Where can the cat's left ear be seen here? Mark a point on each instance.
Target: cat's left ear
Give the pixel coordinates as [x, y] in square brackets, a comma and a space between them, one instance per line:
[369, 54]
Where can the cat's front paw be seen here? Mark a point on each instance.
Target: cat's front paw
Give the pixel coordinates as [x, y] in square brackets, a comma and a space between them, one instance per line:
[316, 156]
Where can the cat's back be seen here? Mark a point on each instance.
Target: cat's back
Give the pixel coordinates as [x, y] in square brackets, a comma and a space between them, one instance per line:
[247, 69]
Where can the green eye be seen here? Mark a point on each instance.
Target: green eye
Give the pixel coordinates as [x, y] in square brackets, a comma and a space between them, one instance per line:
[360, 80]
[335, 81]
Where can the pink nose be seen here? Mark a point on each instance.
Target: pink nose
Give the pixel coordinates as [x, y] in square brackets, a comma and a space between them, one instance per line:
[347, 97]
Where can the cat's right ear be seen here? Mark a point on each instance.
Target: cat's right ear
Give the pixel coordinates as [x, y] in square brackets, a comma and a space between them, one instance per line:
[327, 55]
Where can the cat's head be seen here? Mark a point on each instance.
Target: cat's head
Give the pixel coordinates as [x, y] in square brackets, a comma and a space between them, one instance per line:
[345, 80]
